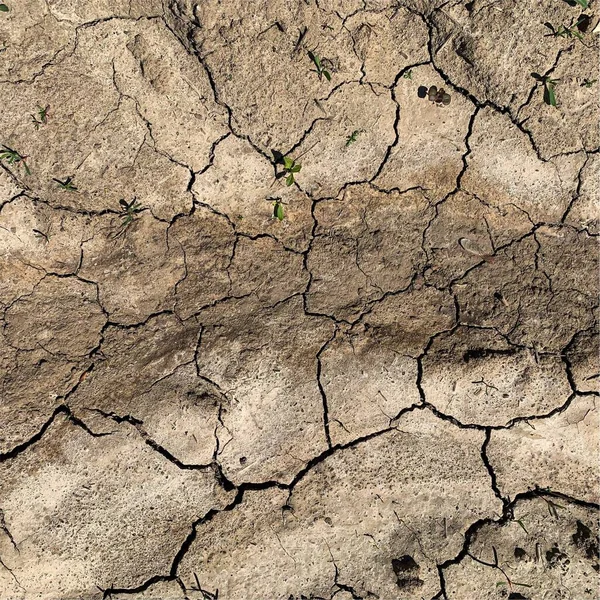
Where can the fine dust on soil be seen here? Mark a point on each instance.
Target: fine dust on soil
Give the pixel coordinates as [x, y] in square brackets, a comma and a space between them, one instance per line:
[390, 393]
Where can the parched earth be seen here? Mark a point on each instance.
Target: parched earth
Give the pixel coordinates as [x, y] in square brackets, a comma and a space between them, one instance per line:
[388, 392]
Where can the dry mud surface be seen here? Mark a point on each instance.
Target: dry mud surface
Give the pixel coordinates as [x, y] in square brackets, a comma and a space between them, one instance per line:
[390, 393]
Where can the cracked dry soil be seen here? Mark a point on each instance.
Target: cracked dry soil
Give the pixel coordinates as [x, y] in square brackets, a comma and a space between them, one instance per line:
[389, 394]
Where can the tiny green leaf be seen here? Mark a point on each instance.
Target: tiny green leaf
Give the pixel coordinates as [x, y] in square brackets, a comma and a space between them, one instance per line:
[278, 211]
[549, 96]
[289, 180]
[327, 75]
[522, 526]
[295, 169]
[3, 8]
[583, 3]
[499, 583]
[288, 163]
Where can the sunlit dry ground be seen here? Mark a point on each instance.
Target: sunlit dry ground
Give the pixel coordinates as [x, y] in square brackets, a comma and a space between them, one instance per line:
[389, 392]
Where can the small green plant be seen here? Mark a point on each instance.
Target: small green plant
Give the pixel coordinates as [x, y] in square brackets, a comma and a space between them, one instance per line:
[552, 506]
[42, 118]
[496, 565]
[575, 30]
[353, 137]
[320, 69]
[67, 184]
[129, 210]
[3, 8]
[408, 74]
[588, 83]
[290, 168]
[12, 157]
[520, 523]
[583, 3]
[278, 209]
[549, 84]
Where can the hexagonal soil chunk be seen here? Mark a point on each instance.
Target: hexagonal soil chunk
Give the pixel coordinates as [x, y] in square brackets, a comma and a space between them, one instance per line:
[559, 453]
[470, 44]
[207, 242]
[406, 322]
[328, 161]
[477, 377]
[34, 383]
[503, 169]
[366, 383]
[61, 315]
[367, 243]
[431, 138]
[148, 373]
[36, 239]
[465, 232]
[97, 511]
[241, 184]
[380, 42]
[135, 268]
[265, 361]
[535, 291]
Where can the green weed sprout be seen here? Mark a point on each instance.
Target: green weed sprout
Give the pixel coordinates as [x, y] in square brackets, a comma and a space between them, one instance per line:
[588, 83]
[67, 184]
[408, 74]
[3, 8]
[549, 95]
[278, 209]
[42, 116]
[290, 167]
[128, 215]
[12, 157]
[575, 30]
[320, 69]
[353, 137]
[583, 3]
[496, 565]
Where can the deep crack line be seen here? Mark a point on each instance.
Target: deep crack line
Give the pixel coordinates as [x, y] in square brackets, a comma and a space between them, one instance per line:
[322, 389]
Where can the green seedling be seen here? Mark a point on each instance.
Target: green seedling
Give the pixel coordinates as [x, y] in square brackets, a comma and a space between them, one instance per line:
[290, 167]
[13, 157]
[440, 97]
[588, 83]
[3, 8]
[278, 212]
[67, 184]
[496, 565]
[128, 215]
[552, 506]
[42, 118]
[583, 3]
[320, 69]
[408, 74]
[549, 94]
[574, 30]
[521, 525]
[353, 137]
